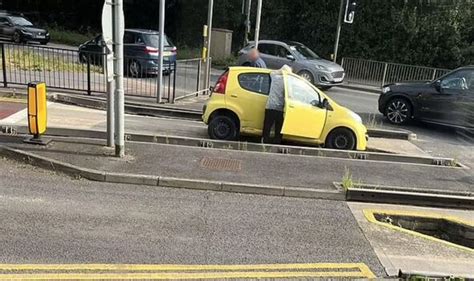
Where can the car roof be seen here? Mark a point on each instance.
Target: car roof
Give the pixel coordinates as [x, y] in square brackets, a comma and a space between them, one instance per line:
[276, 42]
[249, 69]
[142, 30]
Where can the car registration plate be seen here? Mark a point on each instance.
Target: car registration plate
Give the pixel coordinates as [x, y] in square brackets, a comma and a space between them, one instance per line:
[40, 36]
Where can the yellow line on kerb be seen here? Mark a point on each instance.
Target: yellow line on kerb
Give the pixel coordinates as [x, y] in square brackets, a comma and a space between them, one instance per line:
[170, 271]
[12, 100]
[370, 216]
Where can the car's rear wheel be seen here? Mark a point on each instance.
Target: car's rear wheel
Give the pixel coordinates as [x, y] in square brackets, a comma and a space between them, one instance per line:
[398, 111]
[134, 68]
[308, 76]
[223, 127]
[17, 37]
[341, 138]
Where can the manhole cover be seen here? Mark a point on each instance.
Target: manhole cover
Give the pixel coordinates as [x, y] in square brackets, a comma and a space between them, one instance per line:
[222, 164]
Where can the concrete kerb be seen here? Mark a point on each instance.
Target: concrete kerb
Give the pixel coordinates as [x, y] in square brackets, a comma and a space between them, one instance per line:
[251, 147]
[411, 196]
[358, 87]
[124, 178]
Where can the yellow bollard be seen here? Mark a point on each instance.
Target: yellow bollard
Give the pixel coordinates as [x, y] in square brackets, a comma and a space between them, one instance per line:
[37, 112]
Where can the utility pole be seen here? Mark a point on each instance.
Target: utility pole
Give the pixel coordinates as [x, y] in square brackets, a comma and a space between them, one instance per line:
[210, 11]
[161, 49]
[119, 26]
[248, 8]
[257, 23]
[338, 31]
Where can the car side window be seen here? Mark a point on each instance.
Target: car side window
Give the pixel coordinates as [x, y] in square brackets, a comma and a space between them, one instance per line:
[299, 90]
[255, 82]
[267, 49]
[128, 38]
[460, 80]
[139, 39]
[281, 51]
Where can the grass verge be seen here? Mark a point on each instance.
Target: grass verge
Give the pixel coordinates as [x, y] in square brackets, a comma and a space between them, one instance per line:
[68, 37]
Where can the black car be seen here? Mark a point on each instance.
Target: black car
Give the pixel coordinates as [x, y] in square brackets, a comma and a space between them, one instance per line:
[140, 52]
[19, 30]
[448, 100]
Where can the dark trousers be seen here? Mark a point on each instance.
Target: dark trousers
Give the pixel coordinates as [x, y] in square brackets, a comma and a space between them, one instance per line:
[272, 117]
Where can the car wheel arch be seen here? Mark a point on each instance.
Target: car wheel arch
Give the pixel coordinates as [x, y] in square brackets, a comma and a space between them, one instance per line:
[226, 112]
[356, 140]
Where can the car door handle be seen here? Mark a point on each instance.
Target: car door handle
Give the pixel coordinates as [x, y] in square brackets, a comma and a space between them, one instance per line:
[291, 106]
[234, 96]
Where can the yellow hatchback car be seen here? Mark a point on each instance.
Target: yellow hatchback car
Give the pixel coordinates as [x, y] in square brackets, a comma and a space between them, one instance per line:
[237, 107]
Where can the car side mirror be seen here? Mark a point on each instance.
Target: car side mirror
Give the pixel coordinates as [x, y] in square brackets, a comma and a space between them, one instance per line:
[290, 57]
[437, 85]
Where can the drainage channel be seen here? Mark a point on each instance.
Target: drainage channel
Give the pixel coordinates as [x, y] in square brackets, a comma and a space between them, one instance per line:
[253, 147]
[448, 230]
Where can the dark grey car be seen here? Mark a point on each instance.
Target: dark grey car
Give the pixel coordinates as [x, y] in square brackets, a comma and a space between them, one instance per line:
[304, 61]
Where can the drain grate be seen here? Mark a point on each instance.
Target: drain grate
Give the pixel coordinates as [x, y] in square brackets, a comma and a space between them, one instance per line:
[222, 164]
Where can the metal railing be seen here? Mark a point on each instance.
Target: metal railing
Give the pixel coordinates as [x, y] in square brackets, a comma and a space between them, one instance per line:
[377, 73]
[85, 71]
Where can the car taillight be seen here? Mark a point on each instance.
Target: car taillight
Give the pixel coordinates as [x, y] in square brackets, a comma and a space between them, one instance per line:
[151, 50]
[174, 50]
[221, 84]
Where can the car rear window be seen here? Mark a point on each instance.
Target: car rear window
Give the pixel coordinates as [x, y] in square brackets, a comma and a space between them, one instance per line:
[255, 82]
[154, 40]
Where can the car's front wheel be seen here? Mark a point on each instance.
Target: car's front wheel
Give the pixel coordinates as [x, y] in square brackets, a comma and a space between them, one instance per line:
[223, 127]
[341, 138]
[134, 68]
[308, 76]
[398, 111]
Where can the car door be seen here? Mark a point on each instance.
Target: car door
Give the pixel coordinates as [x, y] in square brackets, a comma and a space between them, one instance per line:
[302, 117]
[443, 104]
[465, 102]
[267, 54]
[251, 98]
[281, 57]
[6, 28]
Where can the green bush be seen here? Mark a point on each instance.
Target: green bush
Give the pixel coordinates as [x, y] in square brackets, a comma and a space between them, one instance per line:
[68, 37]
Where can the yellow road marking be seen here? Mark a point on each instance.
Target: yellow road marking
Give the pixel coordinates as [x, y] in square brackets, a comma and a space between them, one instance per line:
[13, 100]
[207, 275]
[370, 216]
[175, 271]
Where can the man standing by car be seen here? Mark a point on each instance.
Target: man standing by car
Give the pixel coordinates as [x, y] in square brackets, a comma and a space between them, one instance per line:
[274, 107]
[255, 59]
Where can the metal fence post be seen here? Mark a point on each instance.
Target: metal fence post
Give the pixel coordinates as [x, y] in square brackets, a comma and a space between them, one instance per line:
[89, 74]
[342, 63]
[384, 74]
[174, 81]
[4, 66]
[434, 74]
[198, 84]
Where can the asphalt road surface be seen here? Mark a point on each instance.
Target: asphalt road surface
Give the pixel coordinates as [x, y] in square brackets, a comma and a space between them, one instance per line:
[50, 218]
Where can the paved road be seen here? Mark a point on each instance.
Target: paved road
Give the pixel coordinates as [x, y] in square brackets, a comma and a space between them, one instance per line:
[49, 218]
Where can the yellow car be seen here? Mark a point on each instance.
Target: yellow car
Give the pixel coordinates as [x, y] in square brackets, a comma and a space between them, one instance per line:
[237, 107]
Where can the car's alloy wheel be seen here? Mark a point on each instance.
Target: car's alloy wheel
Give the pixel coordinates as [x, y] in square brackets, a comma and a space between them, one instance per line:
[398, 111]
[341, 138]
[134, 68]
[307, 76]
[223, 128]
[17, 37]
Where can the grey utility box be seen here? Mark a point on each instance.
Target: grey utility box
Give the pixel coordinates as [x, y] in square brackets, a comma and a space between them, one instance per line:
[221, 43]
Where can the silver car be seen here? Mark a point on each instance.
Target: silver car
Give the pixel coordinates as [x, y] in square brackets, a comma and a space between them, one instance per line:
[303, 60]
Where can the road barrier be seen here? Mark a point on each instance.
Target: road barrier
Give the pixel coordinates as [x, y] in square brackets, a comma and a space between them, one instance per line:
[76, 70]
[377, 73]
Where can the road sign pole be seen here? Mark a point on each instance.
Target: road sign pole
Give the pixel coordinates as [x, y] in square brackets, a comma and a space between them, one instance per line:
[161, 51]
[247, 20]
[110, 113]
[338, 31]
[118, 69]
[108, 62]
[257, 23]
[210, 11]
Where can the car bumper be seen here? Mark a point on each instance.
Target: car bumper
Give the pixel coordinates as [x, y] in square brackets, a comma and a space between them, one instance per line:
[151, 66]
[330, 78]
[36, 38]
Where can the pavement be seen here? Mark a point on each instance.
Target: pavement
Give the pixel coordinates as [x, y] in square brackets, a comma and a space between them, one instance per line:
[49, 218]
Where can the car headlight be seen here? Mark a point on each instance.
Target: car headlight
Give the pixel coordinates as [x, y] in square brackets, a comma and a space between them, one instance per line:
[356, 116]
[385, 90]
[321, 67]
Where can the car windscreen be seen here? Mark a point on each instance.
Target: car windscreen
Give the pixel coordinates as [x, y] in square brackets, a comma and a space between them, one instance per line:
[20, 21]
[154, 40]
[304, 52]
